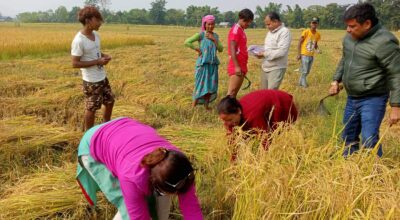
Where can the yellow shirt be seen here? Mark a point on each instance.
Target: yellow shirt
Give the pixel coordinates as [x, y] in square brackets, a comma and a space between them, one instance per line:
[310, 39]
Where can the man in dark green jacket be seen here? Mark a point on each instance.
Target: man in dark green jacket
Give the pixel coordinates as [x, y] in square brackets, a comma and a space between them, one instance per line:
[370, 72]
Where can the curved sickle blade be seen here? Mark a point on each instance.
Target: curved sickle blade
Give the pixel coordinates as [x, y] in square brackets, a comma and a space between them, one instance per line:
[322, 110]
[248, 83]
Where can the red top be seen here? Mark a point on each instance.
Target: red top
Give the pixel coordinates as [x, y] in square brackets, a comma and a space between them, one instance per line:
[263, 109]
[237, 34]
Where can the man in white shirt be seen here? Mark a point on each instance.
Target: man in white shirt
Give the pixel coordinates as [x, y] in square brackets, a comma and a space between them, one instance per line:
[86, 55]
[276, 50]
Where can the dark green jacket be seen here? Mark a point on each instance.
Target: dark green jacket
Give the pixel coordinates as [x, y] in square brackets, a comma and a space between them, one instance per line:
[371, 66]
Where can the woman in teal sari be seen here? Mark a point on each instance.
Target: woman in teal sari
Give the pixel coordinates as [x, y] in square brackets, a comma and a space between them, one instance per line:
[206, 72]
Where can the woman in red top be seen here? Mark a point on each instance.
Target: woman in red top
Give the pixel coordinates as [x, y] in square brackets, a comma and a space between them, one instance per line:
[237, 51]
[262, 109]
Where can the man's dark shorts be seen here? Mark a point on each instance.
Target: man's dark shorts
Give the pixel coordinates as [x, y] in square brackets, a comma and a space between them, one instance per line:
[96, 94]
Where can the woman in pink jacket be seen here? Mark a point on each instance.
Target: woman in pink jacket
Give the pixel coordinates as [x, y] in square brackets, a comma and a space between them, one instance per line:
[131, 164]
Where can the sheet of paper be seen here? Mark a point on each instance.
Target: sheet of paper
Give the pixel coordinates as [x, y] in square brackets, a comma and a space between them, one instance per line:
[255, 49]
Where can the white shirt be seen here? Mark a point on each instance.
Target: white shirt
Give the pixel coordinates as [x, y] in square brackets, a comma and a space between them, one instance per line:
[88, 50]
[276, 49]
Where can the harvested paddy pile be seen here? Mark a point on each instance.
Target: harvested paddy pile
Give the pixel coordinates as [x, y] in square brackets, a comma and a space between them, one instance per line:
[50, 193]
[27, 144]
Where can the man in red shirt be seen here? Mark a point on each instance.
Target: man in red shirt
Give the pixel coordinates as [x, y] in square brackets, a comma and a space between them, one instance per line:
[258, 110]
[237, 51]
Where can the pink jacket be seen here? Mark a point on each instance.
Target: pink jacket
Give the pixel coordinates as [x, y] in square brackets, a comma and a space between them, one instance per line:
[120, 145]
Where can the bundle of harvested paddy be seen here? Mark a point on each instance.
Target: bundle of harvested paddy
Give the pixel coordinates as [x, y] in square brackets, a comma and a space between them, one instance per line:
[26, 142]
[24, 132]
[43, 194]
[50, 193]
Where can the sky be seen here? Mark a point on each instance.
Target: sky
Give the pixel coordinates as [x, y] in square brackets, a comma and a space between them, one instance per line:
[13, 7]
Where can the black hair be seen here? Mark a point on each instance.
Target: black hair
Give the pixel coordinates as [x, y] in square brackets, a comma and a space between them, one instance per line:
[229, 105]
[273, 16]
[361, 12]
[246, 15]
[169, 167]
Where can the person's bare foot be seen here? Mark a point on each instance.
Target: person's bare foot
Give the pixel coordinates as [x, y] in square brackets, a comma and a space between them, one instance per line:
[194, 103]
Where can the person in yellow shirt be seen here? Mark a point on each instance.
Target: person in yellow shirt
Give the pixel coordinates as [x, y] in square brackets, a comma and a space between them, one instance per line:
[308, 44]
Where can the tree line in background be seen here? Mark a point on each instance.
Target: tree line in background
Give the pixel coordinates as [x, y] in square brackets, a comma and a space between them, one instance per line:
[295, 17]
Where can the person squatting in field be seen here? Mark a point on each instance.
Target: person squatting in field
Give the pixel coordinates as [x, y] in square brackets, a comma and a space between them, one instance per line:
[370, 72]
[133, 166]
[260, 111]
[237, 51]
[206, 70]
[86, 55]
